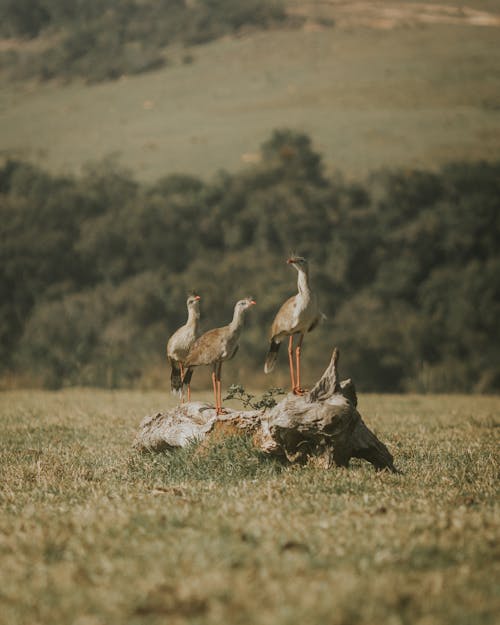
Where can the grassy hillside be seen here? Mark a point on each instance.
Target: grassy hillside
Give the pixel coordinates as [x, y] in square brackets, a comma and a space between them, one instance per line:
[404, 96]
[93, 533]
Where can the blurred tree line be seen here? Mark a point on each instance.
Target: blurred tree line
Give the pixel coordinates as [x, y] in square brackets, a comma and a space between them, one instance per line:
[95, 270]
[101, 40]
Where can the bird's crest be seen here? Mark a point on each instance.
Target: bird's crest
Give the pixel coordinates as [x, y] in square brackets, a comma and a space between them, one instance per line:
[295, 257]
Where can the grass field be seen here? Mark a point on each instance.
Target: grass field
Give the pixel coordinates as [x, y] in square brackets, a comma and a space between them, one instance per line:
[92, 533]
[407, 96]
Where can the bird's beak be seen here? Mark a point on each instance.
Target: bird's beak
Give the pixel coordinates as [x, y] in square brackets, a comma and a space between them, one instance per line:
[290, 261]
[197, 297]
[252, 303]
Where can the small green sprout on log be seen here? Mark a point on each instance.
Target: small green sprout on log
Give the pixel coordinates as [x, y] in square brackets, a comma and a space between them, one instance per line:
[236, 391]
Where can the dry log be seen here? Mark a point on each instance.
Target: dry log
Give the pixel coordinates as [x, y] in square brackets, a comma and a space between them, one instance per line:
[323, 422]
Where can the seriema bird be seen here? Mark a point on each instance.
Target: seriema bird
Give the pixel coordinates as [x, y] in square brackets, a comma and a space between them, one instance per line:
[218, 345]
[178, 347]
[298, 315]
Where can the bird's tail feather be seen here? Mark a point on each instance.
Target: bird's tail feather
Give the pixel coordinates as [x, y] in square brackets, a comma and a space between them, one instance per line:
[175, 377]
[271, 357]
[188, 373]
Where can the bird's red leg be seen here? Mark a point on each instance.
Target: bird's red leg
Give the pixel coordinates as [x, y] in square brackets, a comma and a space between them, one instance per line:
[189, 392]
[214, 382]
[220, 409]
[290, 361]
[219, 399]
[298, 390]
[182, 382]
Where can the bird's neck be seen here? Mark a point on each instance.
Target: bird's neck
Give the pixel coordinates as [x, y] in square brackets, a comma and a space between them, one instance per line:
[237, 322]
[193, 318]
[303, 285]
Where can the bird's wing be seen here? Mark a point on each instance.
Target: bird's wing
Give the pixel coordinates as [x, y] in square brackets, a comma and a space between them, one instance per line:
[283, 321]
[207, 349]
[173, 342]
[169, 346]
[180, 342]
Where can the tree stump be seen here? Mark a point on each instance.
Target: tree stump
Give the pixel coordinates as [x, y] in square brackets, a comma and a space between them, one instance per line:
[323, 422]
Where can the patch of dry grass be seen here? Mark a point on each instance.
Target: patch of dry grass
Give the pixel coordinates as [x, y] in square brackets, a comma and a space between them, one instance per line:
[92, 533]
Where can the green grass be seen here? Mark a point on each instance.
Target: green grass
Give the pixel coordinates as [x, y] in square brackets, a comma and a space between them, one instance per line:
[411, 97]
[93, 533]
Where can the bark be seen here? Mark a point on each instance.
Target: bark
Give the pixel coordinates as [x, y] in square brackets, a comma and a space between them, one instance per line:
[324, 422]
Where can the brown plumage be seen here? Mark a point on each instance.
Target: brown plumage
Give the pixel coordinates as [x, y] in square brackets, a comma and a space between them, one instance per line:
[298, 315]
[178, 347]
[218, 345]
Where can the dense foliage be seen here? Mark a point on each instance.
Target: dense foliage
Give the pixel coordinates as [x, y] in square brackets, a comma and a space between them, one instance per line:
[105, 39]
[95, 270]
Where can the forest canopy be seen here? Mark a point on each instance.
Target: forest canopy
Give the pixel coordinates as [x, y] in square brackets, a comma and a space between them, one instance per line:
[95, 269]
[100, 40]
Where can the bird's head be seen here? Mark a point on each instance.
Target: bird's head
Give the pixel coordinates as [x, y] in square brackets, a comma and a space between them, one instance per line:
[299, 262]
[245, 304]
[193, 301]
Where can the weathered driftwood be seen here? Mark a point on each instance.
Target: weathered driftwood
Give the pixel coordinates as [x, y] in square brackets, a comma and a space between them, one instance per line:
[323, 422]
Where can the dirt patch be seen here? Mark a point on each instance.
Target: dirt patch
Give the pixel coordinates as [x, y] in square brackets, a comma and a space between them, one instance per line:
[387, 15]
[37, 44]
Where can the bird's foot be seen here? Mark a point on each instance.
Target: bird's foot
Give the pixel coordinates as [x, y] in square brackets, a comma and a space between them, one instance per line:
[219, 411]
[299, 391]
